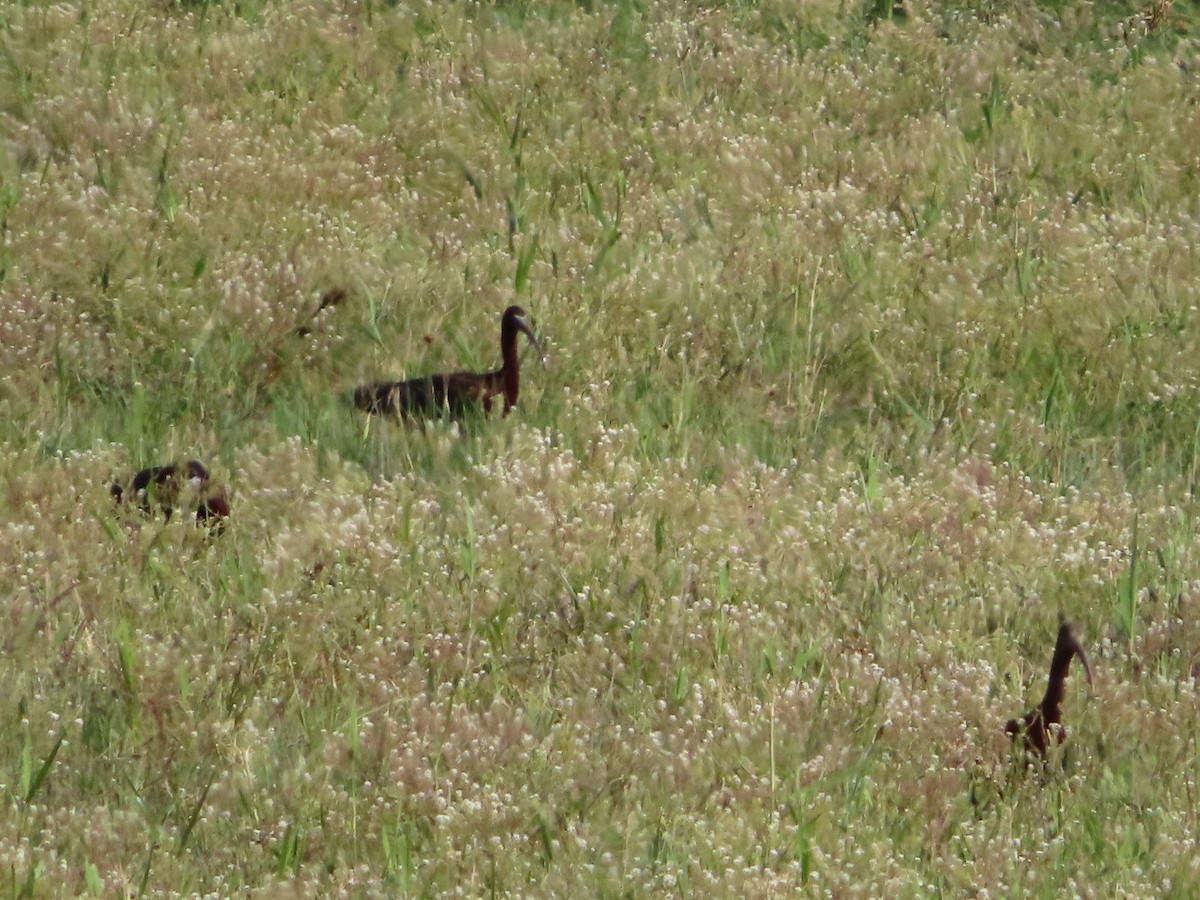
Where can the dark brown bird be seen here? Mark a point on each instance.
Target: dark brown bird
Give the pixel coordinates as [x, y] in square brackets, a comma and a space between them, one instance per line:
[1043, 723]
[432, 396]
[164, 486]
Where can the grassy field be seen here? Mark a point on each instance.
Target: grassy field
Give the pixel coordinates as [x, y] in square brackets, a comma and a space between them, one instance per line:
[873, 350]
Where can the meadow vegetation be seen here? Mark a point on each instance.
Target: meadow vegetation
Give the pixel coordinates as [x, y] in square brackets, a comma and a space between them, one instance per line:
[873, 350]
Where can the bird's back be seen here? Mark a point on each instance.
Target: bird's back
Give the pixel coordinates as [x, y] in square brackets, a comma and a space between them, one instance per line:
[428, 395]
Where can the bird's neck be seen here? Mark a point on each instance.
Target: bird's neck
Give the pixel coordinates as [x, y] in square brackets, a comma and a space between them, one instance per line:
[1060, 664]
[510, 371]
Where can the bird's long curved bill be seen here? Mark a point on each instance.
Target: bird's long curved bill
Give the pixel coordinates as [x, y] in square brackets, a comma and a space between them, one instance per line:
[528, 332]
[1087, 670]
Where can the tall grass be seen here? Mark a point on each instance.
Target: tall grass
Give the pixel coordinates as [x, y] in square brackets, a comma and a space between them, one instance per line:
[871, 354]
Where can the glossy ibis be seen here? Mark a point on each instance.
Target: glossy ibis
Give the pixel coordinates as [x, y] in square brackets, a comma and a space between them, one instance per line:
[1043, 723]
[432, 396]
[168, 487]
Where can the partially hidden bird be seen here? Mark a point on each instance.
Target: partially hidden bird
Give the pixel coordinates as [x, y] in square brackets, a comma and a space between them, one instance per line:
[1042, 725]
[173, 486]
[457, 393]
